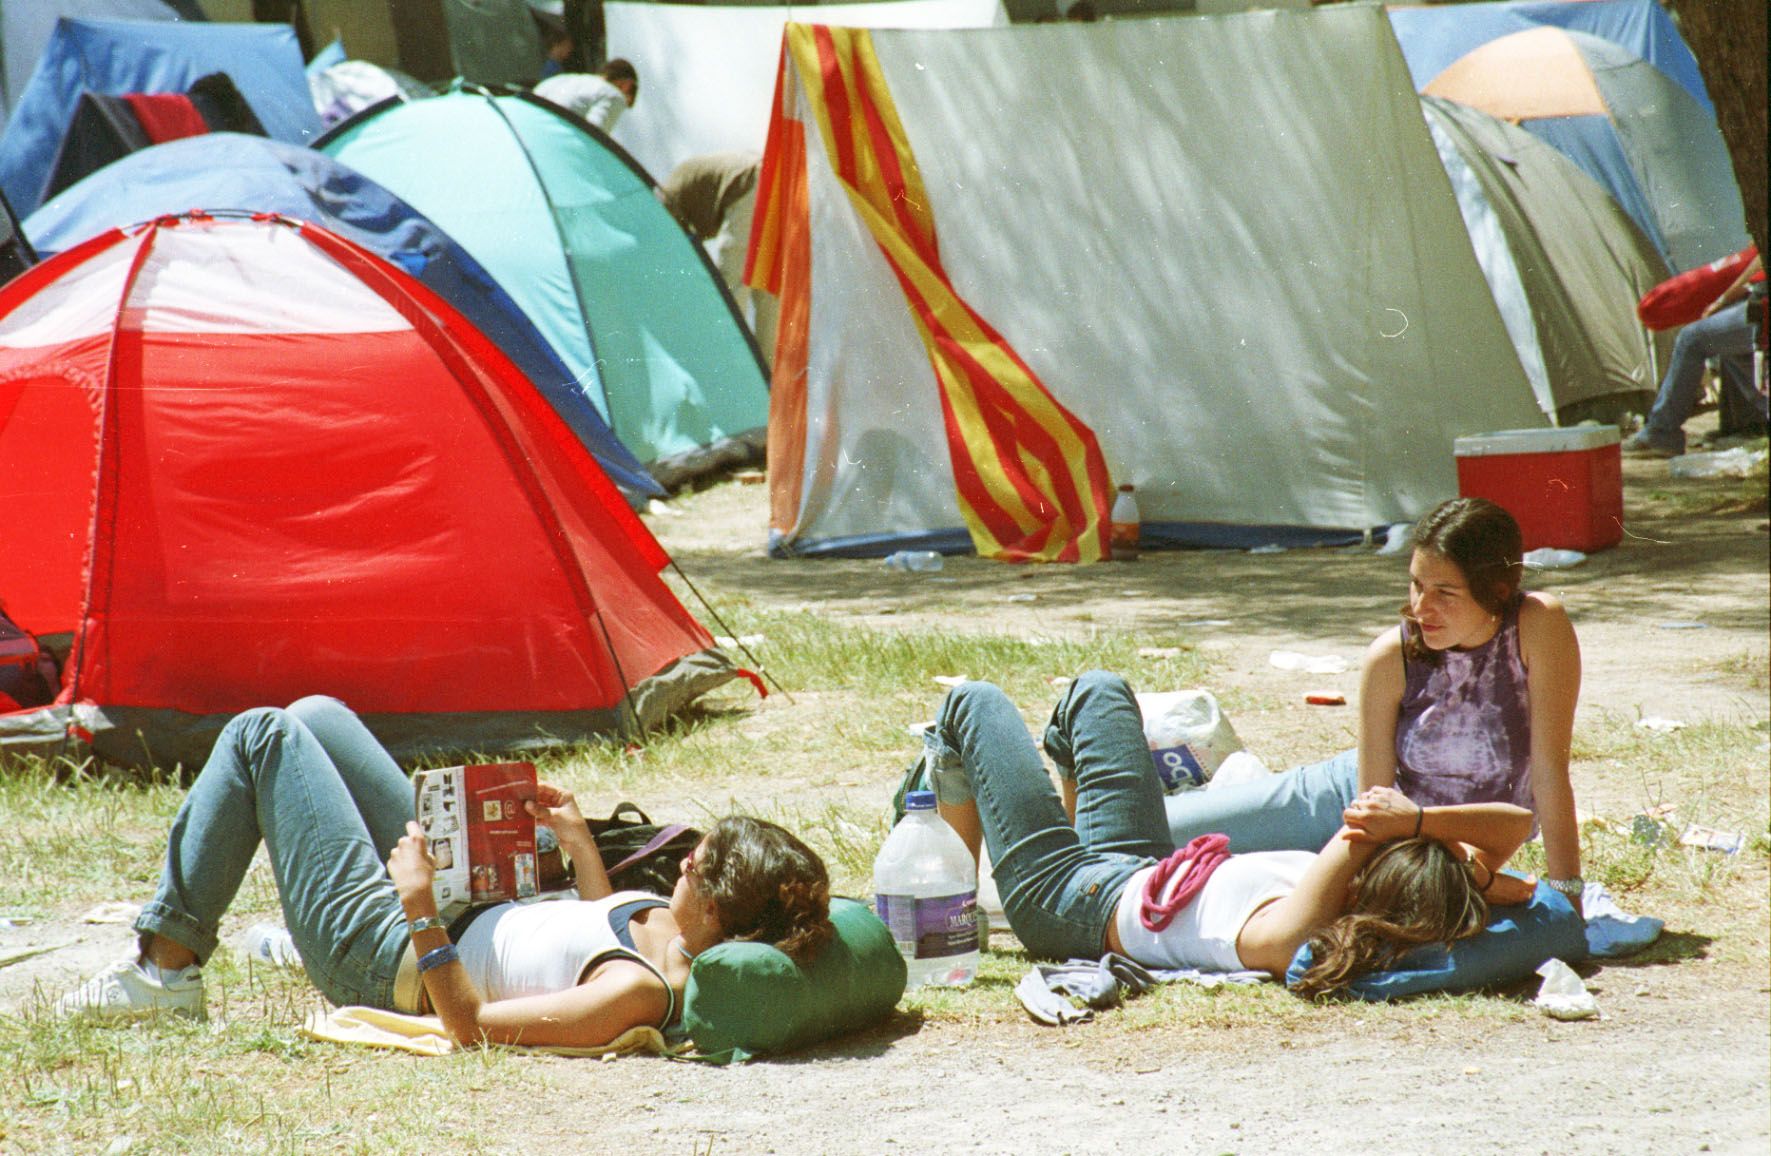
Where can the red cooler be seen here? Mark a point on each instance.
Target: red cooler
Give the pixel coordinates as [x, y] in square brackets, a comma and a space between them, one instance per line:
[1565, 486]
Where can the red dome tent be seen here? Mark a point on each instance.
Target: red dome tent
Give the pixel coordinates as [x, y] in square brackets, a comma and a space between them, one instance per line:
[243, 461]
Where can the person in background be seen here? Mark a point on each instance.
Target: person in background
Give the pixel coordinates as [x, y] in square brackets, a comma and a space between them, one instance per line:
[1725, 332]
[713, 197]
[599, 98]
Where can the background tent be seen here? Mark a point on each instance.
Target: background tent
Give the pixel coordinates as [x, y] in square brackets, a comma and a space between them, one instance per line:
[26, 25]
[117, 57]
[220, 171]
[1653, 147]
[493, 41]
[575, 234]
[1434, 36]
[1564, 261]
[707, 72]
[349, 492]
[1271, 343]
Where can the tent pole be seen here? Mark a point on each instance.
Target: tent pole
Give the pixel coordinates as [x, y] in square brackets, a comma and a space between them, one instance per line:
[730, 633]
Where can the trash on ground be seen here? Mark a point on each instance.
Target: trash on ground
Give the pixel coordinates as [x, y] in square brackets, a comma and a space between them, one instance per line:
[1208, 622]
[741, 640]
[1681, 626]
[8, 958]
[1160, 652]
[1659, 725]
[1563, 996]
[951, 679]
[114, 911]
[915, 730]
[664, 509]
[1651, 830]
[1238, 767]
[1269, 548]
[918, 561]
[1710, 839]
[1548, 558]
[1739, 462]
[1022, 598]
[1397, 538]
[751, 477]
[1308, 663]
[1325, 698]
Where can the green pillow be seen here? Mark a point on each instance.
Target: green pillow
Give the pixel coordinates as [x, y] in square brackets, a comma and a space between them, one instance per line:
[747, 999]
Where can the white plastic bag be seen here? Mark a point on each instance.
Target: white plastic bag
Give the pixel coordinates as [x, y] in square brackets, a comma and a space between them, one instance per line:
[1188, 735]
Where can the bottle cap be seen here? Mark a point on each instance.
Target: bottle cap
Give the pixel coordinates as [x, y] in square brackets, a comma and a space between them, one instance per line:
[919, 801]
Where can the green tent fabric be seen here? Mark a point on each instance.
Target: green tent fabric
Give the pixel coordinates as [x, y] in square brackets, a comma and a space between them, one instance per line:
[570, 226]
[1564, 260]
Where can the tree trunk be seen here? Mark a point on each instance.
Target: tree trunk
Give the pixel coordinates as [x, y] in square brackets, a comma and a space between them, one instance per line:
[1728, 39]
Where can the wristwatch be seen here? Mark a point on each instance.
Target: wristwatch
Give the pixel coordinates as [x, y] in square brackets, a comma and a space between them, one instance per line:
[427, 923]
[1573, 885]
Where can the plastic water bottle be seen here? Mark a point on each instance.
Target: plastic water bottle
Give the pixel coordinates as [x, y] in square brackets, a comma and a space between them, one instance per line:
[1124, 525]
[921, 561]
[925, 888]
[270, 945]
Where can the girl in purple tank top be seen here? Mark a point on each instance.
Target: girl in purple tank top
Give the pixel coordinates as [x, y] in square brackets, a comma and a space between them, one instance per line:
[1472, 699]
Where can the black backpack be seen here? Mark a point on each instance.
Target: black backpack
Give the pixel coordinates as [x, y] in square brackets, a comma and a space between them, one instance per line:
[640, 855]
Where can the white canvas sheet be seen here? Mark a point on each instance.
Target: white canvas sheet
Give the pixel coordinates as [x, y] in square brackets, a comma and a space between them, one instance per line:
[707, 74]
[1229, 248]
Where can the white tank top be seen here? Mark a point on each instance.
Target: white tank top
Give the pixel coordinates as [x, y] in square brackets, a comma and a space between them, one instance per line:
[1203, 934]
[536, 948]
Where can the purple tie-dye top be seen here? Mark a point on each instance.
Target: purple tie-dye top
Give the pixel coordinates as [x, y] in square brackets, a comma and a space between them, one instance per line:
[1464, 733]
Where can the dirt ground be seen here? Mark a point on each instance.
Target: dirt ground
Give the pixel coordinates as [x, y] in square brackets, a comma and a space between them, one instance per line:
[1679, 1061]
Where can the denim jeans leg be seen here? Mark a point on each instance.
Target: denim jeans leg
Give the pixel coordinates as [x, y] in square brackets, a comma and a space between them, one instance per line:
[380, 789]
[1058, 895]
[1096, 738]
[1724, 333]
[269, 778]
[1299, 810]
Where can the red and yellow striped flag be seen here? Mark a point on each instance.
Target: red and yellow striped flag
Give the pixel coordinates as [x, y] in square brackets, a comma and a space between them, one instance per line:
[1032, 483]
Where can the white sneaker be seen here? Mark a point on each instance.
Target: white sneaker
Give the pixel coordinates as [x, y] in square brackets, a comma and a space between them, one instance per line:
[124, 991]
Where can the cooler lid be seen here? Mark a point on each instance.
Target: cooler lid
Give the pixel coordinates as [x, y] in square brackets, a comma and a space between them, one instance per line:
[1536, 441]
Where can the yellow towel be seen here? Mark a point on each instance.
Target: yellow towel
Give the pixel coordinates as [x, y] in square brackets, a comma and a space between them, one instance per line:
[375, 1028]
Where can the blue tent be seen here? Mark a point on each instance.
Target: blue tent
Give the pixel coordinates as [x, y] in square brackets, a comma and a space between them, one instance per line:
[1433, 37]
[570, 225]
[231, 171]
[26, 25]
[117, 57]
[1624, 122]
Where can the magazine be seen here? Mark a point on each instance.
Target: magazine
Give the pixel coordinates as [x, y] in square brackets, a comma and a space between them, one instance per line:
[480, 835]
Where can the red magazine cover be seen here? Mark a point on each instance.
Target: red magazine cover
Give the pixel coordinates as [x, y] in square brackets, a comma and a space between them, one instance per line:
[481, 837]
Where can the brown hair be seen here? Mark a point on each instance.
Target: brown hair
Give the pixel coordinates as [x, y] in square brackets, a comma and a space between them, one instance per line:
[1483, 541]
[1412, 891]
[767, 885]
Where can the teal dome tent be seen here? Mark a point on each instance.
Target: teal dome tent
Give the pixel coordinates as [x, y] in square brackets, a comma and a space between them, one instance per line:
[569, 226]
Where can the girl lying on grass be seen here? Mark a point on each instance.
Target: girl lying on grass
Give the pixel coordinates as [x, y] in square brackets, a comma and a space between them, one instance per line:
[331, 806]
[1394, 876]
[1470, 700]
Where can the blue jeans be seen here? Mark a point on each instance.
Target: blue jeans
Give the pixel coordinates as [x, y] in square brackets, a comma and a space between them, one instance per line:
[1725, 334]
[1060, 884]
[329, 803]
[1299, 810]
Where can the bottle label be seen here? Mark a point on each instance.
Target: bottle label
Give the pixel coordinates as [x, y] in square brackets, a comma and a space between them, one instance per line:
[1178, 769]
[931, 928]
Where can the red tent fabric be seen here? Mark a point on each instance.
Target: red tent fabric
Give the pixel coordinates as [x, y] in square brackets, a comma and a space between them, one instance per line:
[244, 461]
[166, 116]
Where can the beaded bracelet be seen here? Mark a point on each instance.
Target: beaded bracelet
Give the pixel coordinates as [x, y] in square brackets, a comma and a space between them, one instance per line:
[437, 957]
